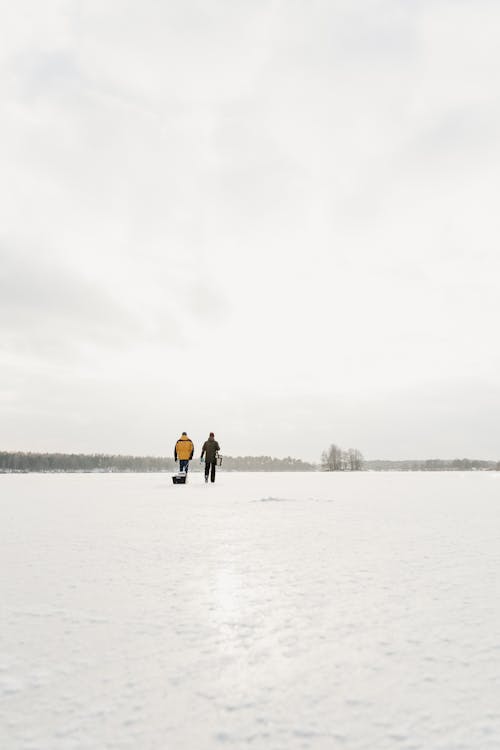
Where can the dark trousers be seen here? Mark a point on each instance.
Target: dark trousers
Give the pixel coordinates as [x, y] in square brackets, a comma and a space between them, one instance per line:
[184, 464]
[210, 469]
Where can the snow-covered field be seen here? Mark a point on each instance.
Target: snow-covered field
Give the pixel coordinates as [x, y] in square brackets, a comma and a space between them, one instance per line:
[268, 611]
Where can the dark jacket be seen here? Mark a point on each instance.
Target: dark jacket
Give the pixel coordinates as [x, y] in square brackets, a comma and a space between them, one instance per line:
[210, 449]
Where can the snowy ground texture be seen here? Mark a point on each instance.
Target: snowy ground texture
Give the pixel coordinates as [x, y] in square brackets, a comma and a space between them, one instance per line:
[268, 611]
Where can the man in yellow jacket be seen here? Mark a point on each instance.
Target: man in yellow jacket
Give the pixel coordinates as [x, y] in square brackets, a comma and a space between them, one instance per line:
[183, 452]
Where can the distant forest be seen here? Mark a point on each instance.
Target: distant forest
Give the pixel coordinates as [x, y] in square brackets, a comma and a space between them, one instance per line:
[338, 459]
[434, 464]
[349, 461]
[68, 462]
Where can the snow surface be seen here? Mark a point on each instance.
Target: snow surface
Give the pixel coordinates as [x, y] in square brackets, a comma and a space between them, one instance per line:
[273, 611]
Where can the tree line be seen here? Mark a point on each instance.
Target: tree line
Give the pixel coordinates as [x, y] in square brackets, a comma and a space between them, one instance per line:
[434, 464]
[97, 462]
[333, 459]
[265, 463]
[25, 462]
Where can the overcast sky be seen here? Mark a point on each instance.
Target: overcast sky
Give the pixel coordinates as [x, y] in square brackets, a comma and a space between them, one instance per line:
[273, 219]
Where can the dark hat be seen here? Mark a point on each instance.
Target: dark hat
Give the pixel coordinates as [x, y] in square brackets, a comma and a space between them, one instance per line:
[211, 435]
[184, 433]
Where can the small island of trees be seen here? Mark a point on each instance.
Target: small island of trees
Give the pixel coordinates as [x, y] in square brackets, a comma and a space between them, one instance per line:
[336, 459]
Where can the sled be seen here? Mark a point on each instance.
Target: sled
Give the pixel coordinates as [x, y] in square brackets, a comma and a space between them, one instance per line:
[179, 478]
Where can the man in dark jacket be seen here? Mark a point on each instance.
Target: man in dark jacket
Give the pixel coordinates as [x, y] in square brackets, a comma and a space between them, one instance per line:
[210, 449]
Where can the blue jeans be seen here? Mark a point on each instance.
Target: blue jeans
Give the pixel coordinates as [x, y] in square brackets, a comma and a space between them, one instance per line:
[184, 464]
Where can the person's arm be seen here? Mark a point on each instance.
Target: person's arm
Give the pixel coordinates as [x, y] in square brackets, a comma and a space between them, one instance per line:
[203, 450]
[192, 450]
[218, 447]
[175, 452]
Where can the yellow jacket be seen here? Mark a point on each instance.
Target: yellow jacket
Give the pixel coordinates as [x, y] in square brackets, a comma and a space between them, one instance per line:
[184, 449]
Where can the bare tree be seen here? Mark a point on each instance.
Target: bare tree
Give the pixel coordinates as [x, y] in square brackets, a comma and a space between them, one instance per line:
[331, 460]
[354, 459]
[335, 459]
